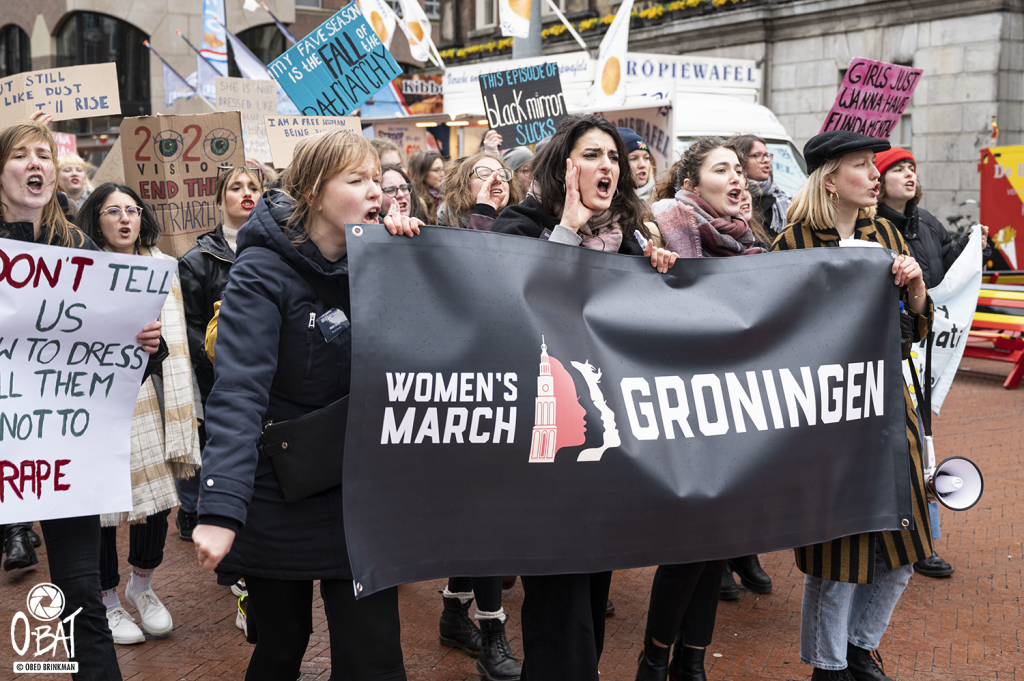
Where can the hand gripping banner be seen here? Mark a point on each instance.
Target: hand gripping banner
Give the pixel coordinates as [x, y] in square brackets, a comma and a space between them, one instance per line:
[523, 407]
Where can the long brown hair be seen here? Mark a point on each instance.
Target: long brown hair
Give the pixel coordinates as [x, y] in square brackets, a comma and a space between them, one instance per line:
[459, 197]
[416, 209]
[60, 232]
[665, 187]
[419, 166]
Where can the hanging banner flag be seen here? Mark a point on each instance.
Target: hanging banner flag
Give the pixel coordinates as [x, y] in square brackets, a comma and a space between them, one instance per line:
[381, 18]
[524, 105]
[872, 98]
[173, 163]
[416, 26]
[70, 371]
[641, 419]
[337, 67]
[515, 17]
[284, 132]
[955, 300]
[610, 77]
[1002, 204]
[65, 93]
[252, 99]
[214, 46]
[175, 87]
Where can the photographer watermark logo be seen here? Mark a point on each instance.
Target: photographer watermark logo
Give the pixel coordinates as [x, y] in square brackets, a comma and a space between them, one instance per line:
[45, 603]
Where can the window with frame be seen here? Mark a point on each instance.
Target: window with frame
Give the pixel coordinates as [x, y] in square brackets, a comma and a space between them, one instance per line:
[486, 13]
[309, 4]
[91, 38]
[15, 51]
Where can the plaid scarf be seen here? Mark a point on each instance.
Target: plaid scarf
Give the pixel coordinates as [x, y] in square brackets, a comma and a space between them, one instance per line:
[164, 437]
[766, 188]
[602, 231]
[717, 236]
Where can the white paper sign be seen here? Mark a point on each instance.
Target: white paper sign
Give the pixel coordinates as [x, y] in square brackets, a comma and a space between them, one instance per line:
[70, 372]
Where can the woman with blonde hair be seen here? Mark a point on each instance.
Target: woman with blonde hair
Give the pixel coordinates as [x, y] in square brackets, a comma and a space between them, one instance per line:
[72, 178]
[275, 363]
[847, 603]
[476, 190]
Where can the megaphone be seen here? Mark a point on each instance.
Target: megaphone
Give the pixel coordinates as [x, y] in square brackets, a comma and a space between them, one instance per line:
[956, 482]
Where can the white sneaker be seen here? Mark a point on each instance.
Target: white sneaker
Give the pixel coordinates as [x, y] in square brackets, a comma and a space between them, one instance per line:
[240, 617]
[123, 627]
[156, 621]
[238, 588]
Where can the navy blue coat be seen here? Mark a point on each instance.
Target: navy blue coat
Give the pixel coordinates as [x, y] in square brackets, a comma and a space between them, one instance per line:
[272, 363]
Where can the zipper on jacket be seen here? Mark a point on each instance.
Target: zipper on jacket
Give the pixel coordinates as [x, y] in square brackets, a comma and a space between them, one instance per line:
[309, 343]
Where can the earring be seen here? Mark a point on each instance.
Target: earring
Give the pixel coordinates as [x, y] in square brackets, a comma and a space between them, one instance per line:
[832, 196]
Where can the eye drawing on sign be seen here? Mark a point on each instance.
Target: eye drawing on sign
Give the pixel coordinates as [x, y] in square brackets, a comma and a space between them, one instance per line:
[168, 145]
[219, 144]
[592, 375]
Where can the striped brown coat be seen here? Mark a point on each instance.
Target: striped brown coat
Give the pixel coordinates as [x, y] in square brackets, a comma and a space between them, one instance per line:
[851, 559]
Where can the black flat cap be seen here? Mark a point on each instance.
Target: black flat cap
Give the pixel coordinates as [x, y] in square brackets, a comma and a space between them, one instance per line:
[836, 143]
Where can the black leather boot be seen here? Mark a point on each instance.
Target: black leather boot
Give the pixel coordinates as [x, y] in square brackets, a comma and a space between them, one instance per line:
[687, 663]
[37, 542]
[751, 575]
[730, 591]
[457, 629]
[653, 662]
[831, 675]
[497, 662]
[864, 665]
[18, 548]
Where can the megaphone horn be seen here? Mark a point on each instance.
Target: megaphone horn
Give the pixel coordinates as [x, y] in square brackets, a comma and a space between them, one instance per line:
[957, 483]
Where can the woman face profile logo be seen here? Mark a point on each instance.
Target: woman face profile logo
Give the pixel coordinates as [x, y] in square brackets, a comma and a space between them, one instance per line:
[559, 419]
[572, 417]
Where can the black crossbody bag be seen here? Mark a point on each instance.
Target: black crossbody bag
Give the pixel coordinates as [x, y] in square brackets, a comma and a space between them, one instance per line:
[307, 452]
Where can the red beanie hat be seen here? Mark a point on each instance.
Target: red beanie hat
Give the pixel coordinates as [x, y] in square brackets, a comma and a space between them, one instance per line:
[887, 159]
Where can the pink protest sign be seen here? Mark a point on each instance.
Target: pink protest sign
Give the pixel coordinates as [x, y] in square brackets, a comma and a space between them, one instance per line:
[872, 98]
[66, 144]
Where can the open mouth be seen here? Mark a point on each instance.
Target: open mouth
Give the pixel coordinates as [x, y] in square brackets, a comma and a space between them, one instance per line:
[248, 204]
[604, 187]
[875, 189]
[910, 186]
[35, 182]
[734, 195]
[371, 215]
[125, 232]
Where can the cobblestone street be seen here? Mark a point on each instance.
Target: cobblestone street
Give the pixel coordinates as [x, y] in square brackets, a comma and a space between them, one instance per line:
[967, 627]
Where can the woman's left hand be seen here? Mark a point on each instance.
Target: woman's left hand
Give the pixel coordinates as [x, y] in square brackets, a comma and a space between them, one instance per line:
[149, 339]
[396, 223]
[492, 142]
[661, 259]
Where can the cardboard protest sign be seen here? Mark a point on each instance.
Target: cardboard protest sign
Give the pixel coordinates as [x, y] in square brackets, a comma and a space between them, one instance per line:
[112, 168]
[70, 371]
[407, 136]
[654, 125]
[66, 92]
[337, 67]
[252, 99]
[524, 105]
[872, 98]
[284, 132]
[66, 144]
[173, 162]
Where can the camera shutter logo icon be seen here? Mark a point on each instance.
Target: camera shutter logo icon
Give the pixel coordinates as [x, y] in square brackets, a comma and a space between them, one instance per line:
[45, 601]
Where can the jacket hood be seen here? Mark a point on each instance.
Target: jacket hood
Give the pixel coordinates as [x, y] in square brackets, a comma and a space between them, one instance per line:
[266, 228]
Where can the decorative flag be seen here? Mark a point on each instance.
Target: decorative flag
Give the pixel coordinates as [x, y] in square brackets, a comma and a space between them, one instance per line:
[515, 17]
[416, 26]
[610, 78]
[214, 47]
[281, 27]
[250, 66]
[251, 6]
[175, 87]
[381, 18]
[206, 78]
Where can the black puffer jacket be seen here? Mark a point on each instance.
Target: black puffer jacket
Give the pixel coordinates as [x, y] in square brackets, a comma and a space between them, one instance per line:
[528, 218]
[928, 241]
[203, 272]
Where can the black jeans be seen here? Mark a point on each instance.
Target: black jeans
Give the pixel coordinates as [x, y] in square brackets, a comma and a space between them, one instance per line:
[72, 549]
[145, 548]
[365, 633]
[487, 590]
[563, 626]
[685, 597]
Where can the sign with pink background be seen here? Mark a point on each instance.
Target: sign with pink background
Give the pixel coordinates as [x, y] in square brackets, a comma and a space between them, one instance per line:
[872, 98]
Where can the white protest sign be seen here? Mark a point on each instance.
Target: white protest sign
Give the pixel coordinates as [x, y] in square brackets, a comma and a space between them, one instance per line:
[955, 300]
[284, 132]
[70, 372]
[252, 99]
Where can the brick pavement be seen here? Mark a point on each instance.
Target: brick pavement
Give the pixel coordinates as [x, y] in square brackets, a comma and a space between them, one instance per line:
[965, 628]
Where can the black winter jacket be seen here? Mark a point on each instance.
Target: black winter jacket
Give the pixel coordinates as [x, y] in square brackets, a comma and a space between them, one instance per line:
[203, 272]
[273, 364]
[928, 241]
[528, 218]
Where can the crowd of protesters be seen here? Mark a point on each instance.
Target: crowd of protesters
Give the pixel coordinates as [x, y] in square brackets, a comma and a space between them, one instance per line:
[277, 262]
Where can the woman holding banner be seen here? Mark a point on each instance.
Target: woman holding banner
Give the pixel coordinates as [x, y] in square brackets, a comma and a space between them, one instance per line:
[284, 352]
[29, 211]
[847, 602]
[583, 195]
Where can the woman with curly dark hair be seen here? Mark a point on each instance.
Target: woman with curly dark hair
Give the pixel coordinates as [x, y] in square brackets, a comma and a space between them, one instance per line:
[164, 435]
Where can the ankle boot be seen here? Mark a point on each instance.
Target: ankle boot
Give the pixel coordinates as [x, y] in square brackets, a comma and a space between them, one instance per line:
[18, 547]
[864, 665]
[653, 662]
[752, 576]
[497, 662]
[831, 675]
[730, 591]
[457, 629]
[687, 663]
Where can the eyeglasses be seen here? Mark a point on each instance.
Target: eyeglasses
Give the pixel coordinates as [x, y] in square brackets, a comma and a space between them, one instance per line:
[483, 172]
[391, 191]
[115, 212]
[762, 157]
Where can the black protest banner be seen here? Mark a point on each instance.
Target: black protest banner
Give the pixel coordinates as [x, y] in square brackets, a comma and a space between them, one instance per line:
[524, 105]
[522, 407]
[872, 98]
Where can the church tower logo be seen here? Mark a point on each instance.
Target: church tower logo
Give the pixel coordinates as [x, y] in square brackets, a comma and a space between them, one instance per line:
[559, 418]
